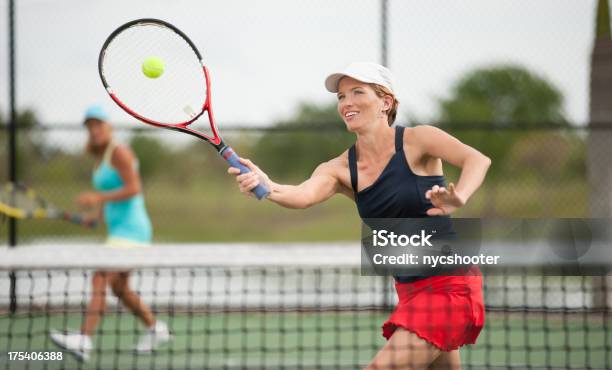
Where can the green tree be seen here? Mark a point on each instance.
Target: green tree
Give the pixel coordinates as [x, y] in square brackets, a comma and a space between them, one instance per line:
[602, 21]
[30, 142]
[295, 146]
[151, 154]
[503, 96]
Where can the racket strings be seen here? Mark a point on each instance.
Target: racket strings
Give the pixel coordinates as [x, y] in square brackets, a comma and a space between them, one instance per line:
[175, 97]
[21, 199]
[12, 198]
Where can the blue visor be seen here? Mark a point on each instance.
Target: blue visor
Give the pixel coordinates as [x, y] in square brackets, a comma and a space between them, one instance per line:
[96, 112]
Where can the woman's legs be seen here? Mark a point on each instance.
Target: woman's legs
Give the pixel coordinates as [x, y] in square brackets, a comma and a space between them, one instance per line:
[97, 303]
[405, 350]
[157, 332]
[447, 361]
[119, 283]
[80, 344]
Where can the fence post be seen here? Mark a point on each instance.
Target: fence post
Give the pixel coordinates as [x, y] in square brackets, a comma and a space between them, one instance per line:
[12, 144]
[384, 35]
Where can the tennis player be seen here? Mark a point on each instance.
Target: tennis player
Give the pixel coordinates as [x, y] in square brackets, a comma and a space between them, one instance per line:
[118, 194]
[397, 173]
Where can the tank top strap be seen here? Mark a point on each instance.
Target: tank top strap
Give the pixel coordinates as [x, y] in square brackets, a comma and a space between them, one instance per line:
[399, 139]
[352, 157]
[108, 153]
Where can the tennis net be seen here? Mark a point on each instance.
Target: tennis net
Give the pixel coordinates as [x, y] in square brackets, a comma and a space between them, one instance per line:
[306, 306]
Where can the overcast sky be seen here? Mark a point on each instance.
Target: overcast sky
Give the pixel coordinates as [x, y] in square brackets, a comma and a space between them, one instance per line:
[267, 56]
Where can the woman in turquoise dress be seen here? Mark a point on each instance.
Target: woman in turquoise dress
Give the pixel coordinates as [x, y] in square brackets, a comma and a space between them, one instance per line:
[118, 193]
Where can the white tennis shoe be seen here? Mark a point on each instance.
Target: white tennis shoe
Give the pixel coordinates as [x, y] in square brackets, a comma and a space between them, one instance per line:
[155, 336]
[77, 344]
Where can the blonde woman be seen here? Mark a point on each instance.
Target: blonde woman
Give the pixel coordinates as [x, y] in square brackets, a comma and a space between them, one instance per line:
[118, 192]
[397, 173]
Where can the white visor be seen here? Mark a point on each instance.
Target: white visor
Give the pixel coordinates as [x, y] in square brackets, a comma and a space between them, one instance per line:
[361, 71]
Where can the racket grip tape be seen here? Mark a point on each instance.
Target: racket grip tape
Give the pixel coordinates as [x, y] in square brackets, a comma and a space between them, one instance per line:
[79, 220]
[231, 157]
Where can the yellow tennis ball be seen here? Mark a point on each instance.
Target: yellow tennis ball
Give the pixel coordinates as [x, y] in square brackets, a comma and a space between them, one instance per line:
[153, 67]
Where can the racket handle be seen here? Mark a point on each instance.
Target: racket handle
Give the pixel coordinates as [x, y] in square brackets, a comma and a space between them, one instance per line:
[230, 156]
[79, 220]
[90, 224]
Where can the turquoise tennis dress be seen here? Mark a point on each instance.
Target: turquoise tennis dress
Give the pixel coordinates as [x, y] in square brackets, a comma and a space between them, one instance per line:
[127, 221]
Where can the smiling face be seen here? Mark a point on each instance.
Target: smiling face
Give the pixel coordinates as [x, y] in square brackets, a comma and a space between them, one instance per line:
[359, 105]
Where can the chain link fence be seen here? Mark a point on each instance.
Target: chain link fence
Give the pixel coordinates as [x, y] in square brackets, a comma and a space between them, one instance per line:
[266, 59]
[189, 195]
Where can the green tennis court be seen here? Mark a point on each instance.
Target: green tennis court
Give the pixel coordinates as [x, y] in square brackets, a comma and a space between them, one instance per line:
[342, 339]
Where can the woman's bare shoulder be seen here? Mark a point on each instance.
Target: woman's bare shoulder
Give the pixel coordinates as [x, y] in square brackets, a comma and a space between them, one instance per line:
[335, 165]
[122, 154]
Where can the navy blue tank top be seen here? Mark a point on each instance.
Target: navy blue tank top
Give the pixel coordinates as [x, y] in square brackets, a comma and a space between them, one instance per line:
[397, 192]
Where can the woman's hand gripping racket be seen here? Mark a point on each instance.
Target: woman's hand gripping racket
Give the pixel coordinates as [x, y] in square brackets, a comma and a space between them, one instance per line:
[154, 72]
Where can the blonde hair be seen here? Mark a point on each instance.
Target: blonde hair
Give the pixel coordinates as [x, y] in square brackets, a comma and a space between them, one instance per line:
[381, 91]
[92, 149]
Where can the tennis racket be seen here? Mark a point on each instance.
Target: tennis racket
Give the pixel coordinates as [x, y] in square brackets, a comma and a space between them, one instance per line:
[174, 100]
[19, 201]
